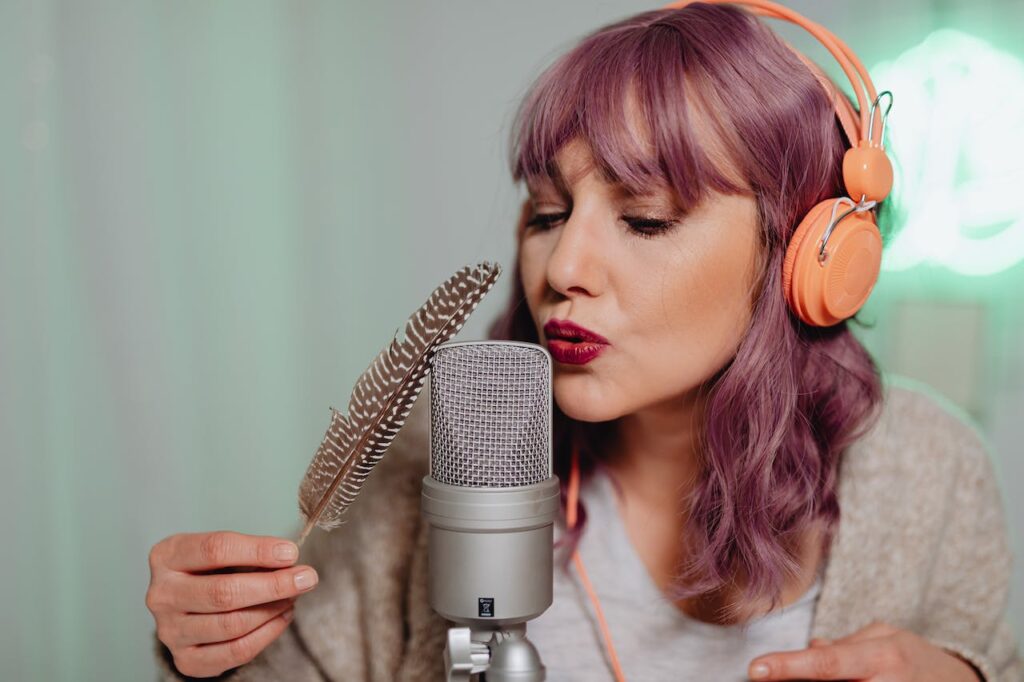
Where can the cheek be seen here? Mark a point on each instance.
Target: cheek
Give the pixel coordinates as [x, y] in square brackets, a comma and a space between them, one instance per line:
[532, 265]
[706, 307]
[707, 293]
[528, 262]
[598, 396]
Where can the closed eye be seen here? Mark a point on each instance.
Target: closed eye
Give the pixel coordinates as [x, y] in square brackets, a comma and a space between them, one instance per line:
[644, 227]
[546, 219]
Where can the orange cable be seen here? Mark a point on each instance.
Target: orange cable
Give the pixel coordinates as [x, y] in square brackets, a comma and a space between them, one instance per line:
[571, 506]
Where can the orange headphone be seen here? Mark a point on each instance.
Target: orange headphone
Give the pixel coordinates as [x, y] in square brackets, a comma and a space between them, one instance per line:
[833, 259]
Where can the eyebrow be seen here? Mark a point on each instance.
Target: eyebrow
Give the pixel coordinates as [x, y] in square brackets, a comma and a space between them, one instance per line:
[555, 178]
[538, 183]
[552, 177]
[658, 191]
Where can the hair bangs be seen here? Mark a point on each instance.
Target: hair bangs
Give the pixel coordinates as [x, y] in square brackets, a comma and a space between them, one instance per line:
[625, 94]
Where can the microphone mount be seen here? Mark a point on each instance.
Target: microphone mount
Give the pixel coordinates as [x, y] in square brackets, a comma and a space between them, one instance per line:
[503, 655]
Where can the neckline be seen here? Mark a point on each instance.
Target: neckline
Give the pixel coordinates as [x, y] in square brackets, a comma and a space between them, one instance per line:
[600, 489]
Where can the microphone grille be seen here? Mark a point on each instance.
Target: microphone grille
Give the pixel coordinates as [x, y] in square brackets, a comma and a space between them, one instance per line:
[490, 414]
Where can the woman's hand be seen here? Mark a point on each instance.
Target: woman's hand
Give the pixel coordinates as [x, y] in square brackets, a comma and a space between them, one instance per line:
[875, 653]
[210, 611]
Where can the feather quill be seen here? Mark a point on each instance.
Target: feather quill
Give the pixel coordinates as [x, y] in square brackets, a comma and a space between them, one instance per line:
[383, 397]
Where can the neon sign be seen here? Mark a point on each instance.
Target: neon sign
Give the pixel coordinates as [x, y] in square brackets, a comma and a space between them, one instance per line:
[956, 136]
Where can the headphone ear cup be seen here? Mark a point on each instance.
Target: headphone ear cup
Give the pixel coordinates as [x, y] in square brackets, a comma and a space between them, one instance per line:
[819, 214]
[825, 293]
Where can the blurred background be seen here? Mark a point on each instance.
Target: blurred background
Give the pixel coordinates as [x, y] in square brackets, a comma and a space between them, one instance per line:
[214, 214]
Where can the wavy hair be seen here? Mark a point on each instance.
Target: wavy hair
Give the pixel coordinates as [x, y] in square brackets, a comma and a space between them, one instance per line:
[778, 416]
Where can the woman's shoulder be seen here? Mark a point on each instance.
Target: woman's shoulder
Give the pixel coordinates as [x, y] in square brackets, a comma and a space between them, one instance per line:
[922, 463]
[919, 433]
[922, 457]
[922, 541]
[368, 603]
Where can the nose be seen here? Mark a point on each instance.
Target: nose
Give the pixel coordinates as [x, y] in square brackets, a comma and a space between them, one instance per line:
[575, 265]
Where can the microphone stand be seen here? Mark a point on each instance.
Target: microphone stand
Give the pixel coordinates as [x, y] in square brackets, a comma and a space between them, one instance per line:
[503, 654]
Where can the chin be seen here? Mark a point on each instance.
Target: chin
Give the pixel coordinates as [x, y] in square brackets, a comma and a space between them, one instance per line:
[581, 402]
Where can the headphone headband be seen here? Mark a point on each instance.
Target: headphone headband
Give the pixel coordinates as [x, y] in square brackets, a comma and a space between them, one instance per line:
[858, 76]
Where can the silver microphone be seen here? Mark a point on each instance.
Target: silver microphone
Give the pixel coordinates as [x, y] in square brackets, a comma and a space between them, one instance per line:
[490, 501]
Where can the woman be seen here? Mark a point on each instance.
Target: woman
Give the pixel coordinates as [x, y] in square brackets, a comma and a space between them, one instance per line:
[717, 437]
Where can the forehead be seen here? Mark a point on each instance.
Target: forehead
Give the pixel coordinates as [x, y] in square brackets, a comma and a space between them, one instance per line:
[570, 165]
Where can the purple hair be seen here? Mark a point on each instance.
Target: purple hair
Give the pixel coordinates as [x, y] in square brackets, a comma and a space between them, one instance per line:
[779, 414]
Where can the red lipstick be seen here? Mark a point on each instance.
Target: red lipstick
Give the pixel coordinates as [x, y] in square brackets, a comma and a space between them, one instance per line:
[572, 344]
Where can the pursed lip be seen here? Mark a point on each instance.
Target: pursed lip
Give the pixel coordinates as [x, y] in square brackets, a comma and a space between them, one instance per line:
[565, 329]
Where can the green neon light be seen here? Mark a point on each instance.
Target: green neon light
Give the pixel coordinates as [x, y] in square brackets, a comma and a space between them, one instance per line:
[956, 136]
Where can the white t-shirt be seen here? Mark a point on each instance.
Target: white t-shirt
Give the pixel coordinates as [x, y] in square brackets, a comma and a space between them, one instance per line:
[654, 640]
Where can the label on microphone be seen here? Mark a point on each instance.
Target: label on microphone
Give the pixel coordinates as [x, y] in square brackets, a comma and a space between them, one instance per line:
[485, 607]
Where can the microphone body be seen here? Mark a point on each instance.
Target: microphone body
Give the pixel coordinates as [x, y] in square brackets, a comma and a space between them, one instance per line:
[490, 551]
[490, 501]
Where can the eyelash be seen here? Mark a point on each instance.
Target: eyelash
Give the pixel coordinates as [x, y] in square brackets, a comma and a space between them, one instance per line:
[659, 226]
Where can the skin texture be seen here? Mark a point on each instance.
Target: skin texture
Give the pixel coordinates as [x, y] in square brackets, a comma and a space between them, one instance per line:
[674, 309]
[220, 598]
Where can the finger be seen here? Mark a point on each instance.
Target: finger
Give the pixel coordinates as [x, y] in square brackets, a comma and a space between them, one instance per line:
[833, 662]
[819, 641]
[222, 549]
[212, 659]
[210, 628]
[228, 592]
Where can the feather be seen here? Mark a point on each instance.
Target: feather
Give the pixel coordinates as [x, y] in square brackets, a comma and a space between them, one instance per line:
[383, 397]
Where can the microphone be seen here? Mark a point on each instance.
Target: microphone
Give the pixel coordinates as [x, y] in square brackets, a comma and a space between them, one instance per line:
[490, 502]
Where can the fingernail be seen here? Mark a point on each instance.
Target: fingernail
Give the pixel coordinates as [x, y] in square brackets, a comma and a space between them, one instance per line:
[286, 551]
[288, 615]
[759, 671]
[305, 580]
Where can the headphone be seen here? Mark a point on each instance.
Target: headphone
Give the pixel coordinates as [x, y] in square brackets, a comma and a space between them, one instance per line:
[833, 258]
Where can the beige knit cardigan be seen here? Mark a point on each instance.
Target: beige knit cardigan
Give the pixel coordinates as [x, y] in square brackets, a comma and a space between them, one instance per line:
[922, 545]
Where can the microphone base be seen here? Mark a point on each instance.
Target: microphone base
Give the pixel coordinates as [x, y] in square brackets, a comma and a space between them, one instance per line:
[503, 655]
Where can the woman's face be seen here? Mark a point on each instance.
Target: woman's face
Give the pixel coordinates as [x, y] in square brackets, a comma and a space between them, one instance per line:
[673, 305]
